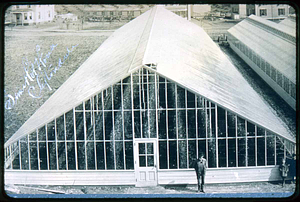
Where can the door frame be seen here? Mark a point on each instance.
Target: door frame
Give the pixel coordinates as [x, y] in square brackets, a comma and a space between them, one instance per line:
[137, 168]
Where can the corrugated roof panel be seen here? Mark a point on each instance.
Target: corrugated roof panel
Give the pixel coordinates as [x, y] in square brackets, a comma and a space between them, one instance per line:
[185, 54]
[278, 52]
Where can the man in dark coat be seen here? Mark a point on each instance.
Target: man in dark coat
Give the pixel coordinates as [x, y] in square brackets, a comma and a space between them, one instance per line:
[284, 169]
[200, 166]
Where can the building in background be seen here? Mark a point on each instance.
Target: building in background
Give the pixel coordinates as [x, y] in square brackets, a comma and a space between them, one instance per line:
[267, 11]
[68, 16]
[144, 116]
[31, 14]
[269, 48]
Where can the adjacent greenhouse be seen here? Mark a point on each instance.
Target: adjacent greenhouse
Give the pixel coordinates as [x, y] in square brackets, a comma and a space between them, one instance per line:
[143, 123]
[269, 49]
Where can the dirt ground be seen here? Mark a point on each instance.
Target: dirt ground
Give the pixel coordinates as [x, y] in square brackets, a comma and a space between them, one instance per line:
[255, 187]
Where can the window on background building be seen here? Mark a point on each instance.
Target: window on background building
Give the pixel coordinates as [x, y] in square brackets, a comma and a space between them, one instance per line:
[29, 6]
[49, 15]
[25, 16]
[263, 12]
[286, 84]
[30, 16]
[39, 15]
[293, 90]
[111, 13]
[281, 11]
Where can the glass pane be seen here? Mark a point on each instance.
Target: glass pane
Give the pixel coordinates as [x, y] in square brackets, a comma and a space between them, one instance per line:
[142, 161]
[152, 96]
[117, 96]
[79, 107]
[201, 123]
[182, 153]
[110, 161]
[24, 155]
[153, 124]
[108, 126]
[128, 125]
[129, 155]
[251, 151]
[43, 156]
[87, 104]
[52, 155]
[100, 101]
[221, 122]
[261, 151]
[142, 148]
[149, 148]
[279, 150]
[145, 124]
[172, 124]
[61, 155]
[202, 148]
[32, 136]
[222, 152]
[100, 155]
[181, 114]
[119, 155]
[71, 156]
[190, 100]
[89, 126]
[150, 161]
[172, 154]
[60, 129]
[98, 125]
[118, 125]
[192, 152]
[270, 149]
[136, 96]
[79, 126]
[241, 127]
[200, 102]
[107, 99]
[171, 95]
[33, 156]
[42, 133]
[126, 80]
[191, 123]
[213, 122]
[250, 129]
[162, 96]
[70, 125]
[231, 152]
[137, 126]
[241, 152]
[163, 154]
[162, 131]
[180, 97]
[81, 156]
[126, 96]
[212, 161]
[90, 154]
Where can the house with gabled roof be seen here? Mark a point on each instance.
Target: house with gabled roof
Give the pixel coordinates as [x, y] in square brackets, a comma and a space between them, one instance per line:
[269, 48]
[152, 98]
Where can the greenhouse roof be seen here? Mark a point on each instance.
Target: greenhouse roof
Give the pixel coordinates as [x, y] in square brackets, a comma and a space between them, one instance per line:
[289, 24]
[274, 42]
[183, 53]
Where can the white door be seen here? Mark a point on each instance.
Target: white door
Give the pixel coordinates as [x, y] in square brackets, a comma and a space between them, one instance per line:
[145, 152]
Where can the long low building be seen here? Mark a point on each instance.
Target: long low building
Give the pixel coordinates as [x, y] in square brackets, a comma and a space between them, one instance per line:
[270, 50]
[152, 98]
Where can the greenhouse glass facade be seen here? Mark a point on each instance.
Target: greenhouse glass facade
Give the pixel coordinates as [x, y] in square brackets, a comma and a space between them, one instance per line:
[100, 133]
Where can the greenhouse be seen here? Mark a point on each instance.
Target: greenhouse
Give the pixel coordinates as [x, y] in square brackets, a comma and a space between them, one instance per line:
[144, 116]
[269, 48]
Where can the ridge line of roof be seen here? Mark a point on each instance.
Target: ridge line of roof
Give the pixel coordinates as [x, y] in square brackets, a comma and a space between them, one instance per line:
[274, 30]
[151, 16]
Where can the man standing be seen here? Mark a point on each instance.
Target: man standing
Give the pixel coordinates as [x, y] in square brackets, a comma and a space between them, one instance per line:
[284, 169]
[200, 166]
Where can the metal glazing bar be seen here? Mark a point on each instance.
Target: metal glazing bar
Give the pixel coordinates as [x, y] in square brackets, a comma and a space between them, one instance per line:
[156, 112]
[236, 142]
[84, 131]
[75, 138]
[246, 143]
[56, 146]
[20, 155]
[284, 149]
[103, 122]
[140, 97]
[38, 148]
[196, 118]
[29, 163]
[122, 109]
[148, 109]
[132, 107]
[216, 128]
[11, 156]
[176, 111]
[94, 130]
[48, 166]
[255, 145]
[66, 149]
[275, 153]
[167, 126]
[206, 135]
[113, 125]
[266, 148]
[187, 129]
[226, 128]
